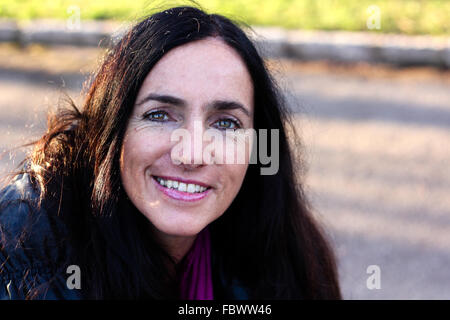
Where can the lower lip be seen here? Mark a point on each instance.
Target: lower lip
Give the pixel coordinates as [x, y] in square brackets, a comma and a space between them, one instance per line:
[180, 195]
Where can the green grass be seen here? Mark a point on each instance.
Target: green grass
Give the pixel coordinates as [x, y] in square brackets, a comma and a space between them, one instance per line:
[397, 16]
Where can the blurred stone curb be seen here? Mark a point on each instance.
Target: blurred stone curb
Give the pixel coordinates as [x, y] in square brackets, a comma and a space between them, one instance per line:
[56, 32]
[345, 46]
[338, 46]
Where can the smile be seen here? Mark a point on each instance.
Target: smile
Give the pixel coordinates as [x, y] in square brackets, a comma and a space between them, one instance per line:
[181, 186]
[180, 190]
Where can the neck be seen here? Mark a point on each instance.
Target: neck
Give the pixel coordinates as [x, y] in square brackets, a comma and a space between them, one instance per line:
[178, 247]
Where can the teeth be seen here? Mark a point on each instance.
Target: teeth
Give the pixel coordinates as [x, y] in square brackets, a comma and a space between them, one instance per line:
[180, 186]
[191, 188]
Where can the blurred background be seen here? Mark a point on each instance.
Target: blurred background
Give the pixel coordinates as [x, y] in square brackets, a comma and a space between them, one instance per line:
[376, 135]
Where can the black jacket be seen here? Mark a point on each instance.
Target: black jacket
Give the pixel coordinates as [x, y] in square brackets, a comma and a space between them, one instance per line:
[27, 260]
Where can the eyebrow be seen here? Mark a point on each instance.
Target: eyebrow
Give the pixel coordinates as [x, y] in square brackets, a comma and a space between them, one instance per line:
[219, 105]
[164, 99]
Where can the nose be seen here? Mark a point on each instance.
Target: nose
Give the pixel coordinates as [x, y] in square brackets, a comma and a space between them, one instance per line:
[188, 151]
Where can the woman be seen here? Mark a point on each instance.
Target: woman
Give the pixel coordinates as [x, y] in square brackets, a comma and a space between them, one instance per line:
[105, 196]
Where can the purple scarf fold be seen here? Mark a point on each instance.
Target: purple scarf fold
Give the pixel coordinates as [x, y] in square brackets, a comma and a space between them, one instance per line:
[195, 276]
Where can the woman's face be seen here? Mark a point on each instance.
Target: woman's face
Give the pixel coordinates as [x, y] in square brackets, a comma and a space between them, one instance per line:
[201, 85]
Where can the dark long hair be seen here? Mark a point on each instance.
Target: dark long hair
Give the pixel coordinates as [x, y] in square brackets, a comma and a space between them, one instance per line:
[267, 239]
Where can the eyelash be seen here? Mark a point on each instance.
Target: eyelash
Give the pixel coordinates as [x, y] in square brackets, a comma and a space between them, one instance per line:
[148, 116]
[235, 123]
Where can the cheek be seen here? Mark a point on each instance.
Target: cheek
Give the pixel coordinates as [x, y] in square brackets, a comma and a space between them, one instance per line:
[235, 174]
[139, 151]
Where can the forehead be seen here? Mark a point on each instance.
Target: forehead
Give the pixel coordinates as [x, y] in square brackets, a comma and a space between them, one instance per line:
[205, 69]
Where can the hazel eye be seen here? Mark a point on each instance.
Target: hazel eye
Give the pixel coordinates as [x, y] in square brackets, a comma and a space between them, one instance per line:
[157, 116]
[226, 124]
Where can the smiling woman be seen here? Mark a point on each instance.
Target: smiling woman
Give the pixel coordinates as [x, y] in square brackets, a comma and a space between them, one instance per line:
[104, 191]
[202, 73]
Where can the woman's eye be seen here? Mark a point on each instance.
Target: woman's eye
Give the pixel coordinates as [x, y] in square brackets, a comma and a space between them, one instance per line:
[225, 124]
[158, 116]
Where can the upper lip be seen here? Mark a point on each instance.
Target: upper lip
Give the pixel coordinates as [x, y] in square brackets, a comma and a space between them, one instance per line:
[187, 181]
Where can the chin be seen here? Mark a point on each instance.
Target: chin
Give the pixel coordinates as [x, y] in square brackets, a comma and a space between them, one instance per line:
[181, 228]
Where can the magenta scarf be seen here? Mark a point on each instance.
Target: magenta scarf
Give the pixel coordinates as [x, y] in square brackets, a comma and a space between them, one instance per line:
[195, 270]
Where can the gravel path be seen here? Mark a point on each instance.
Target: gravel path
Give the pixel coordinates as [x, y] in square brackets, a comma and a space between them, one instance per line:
[376, 144]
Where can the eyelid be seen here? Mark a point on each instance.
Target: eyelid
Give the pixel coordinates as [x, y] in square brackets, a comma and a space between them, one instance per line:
[232, 118]
[157, 110]
[237, 123]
